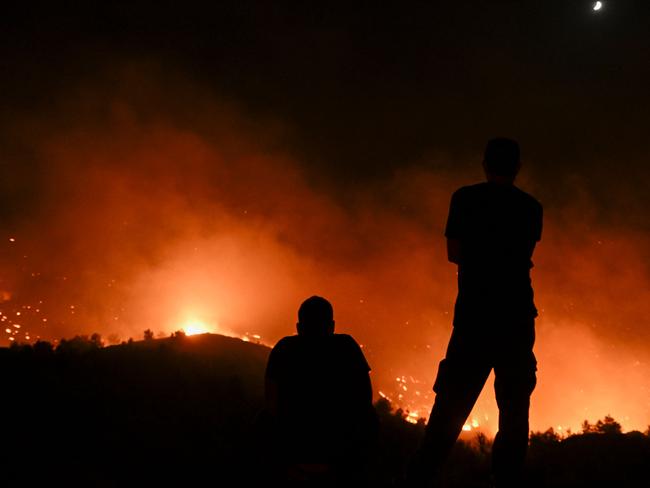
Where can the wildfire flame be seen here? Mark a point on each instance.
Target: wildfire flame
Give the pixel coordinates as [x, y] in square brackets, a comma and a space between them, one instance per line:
[194, 327]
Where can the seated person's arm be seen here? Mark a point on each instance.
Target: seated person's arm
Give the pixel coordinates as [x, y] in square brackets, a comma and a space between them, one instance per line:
[453, 250]
[362, 375]
[366, 388]
[271, 395]
[272, 374]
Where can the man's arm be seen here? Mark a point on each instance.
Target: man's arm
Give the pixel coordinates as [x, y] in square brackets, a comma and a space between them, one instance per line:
[366, 388]
[271, 395]
[359, 370]
[453, 250]
[271, 388]
[454, 230]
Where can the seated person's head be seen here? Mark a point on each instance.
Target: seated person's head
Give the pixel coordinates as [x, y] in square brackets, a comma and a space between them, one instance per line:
[315, 318]
[502, 159]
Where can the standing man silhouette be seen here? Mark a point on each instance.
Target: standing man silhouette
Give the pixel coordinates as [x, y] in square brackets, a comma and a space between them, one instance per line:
[491, 233]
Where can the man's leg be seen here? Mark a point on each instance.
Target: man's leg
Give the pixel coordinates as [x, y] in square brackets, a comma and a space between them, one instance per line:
[461, 377]
[515, 380]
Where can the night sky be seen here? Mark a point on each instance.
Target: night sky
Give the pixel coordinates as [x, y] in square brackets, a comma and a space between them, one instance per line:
[220, 161]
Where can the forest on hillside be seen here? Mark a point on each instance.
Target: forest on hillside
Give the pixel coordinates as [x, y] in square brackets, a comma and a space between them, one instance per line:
[182, 410]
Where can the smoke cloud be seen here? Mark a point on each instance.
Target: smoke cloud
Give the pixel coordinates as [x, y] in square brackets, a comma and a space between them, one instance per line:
[134, 203]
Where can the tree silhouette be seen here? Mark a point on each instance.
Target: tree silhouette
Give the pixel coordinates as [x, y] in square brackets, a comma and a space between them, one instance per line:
[605, 426]
[43, 348]
[587, 428]
[80, 344]
[547, 437]
[608, 426]
[96, 340]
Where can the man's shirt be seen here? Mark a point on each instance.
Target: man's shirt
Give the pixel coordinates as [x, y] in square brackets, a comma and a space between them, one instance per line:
[323, 391]
[497, 227]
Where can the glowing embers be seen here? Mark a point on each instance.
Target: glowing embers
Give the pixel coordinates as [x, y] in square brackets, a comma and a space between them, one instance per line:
[195, 325]
[255, 338]
[413, 417]
[14, 331]
[469, 426]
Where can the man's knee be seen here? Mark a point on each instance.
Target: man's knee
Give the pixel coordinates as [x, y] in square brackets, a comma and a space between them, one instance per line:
[514, 396]
[458, 379]
[513, 389]
[444, 379]
[457, 387]
[515, 382]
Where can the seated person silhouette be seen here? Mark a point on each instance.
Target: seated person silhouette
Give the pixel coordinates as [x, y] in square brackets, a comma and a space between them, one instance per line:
[491, 233]
[319, 396]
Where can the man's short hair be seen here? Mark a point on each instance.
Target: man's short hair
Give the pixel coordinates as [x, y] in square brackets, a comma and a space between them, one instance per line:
[502, 156]
[315, 316]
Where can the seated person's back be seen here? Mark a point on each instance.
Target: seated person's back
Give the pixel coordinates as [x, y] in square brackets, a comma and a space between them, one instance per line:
[318, 390]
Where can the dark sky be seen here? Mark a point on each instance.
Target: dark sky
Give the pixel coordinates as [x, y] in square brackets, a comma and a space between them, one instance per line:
[368, 86]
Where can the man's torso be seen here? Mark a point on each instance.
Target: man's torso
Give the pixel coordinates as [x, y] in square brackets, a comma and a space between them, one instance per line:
[497, 227]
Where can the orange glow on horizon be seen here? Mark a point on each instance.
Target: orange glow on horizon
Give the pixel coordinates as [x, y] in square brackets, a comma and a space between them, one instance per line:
[195, 327]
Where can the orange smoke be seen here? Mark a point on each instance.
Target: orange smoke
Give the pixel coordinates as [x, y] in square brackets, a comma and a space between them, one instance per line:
[144, 215]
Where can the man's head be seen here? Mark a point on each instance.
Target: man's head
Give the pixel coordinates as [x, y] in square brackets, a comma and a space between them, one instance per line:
[315, 318]
[502, 160]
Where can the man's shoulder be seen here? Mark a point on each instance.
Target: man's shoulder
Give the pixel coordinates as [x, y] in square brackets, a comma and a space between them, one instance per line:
[485, 190]
[287, 343]
[345, 340]
[336, 340]
[349, 348]
[472, 193]
[528, 198]
[469, 190]
[281, 356]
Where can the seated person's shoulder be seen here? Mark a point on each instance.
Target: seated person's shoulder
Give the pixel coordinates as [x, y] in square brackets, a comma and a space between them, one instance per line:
[287, 343]
[348, 348]
[344, 340]
[470, 194]
[468, 191]
[530, 200]
[281, 356]
[535, 203]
